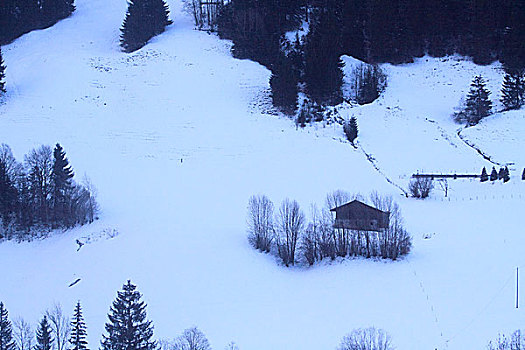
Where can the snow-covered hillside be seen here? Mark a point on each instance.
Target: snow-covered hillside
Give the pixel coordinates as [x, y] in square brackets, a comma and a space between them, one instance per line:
[176, 138]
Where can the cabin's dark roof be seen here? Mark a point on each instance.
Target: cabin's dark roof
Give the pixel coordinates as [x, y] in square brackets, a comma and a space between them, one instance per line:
[357, 205]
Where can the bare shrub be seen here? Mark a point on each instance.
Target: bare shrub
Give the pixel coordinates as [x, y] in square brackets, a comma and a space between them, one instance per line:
[290, 225]
[260, 222]
[420, 187]
[192, 339]
[366, 339]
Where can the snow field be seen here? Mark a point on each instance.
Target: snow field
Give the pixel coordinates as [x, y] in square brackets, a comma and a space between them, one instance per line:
[128, 120]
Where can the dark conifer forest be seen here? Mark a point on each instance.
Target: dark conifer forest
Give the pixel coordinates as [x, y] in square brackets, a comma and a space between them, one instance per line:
[18, 17]
[374, 31]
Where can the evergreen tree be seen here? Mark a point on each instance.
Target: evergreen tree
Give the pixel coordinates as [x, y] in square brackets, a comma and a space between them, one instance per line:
[501, 173]
[478, 103]
[484, 176]
[128, 328]
[8, 195]
[78, 330]
[323, 67]
[506, 175]
[513, 89]
[44, 339]
[144, 20]
[6, 333]
[2, 74]
[61, 184]
[283, 82]
[351, 130]
[493, 174]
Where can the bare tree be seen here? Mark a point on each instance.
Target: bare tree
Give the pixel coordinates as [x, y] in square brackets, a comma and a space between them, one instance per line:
[515, 342]
[260, 222]
[192, 339]
[290, 224]
[23, 334]
[443, 184]
[60, 325]
[91, 203]
[366, 339]
[395, 240]
[39, 164]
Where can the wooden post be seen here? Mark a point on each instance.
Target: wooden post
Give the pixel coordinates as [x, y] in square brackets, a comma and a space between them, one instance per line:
[517, 281]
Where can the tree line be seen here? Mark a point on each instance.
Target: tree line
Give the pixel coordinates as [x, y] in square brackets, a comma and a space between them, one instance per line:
[129, 329]
[40, 193]
[287, 233]
[18, 17]
[374, 31]
[478, 104]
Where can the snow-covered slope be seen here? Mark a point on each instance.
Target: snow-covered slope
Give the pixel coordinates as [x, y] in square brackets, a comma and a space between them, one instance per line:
[176, 139]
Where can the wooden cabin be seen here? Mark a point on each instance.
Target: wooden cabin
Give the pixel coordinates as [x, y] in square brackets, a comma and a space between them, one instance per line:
[359, 216]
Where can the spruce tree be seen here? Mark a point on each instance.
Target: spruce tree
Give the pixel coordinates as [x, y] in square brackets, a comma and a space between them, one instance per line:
[351, 130]
[484, 176]
[128, 328]
[61, 184]
[78, 336]
[506, 175]
[478, 103]
[44, 339]
[323, 67]
[8, 195]
[493, 174]
[144, 19]
[6, 333]
[513, 89]
[283, 82]
[2, 74]
[501, 173]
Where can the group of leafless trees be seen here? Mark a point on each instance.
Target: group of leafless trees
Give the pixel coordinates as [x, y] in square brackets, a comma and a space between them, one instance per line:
[295, 240]
[59, 325]
[40, 193]
[516, 341]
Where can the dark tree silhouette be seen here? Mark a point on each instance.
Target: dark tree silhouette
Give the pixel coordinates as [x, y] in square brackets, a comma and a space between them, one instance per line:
[127, 327]
[2, 74]
[78, 336]
[44, 339]
[144, 20]
[478, 103]
[6, 332]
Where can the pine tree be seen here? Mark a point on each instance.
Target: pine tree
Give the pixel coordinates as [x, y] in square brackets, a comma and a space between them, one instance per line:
[78, 330]
[44, 339]
[351, 130]
[2, 74]
[478, 103]
[8, 195]
[323, 67]
[6, 333]
[61, 184]
[493, 174]
[484, 176]
[127, 327]
[513, 89]
[144, 20]
[283, 82]
[501, 173]
[506, 175]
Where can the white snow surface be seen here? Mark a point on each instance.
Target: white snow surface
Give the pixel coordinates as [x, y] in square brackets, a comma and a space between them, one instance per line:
[176, 139]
